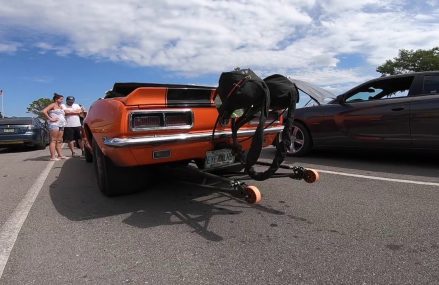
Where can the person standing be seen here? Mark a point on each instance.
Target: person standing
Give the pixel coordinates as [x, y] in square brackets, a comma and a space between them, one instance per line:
[72, 131]
[56, 121]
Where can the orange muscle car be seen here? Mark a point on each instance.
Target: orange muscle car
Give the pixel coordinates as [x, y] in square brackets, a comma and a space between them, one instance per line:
[147, 124]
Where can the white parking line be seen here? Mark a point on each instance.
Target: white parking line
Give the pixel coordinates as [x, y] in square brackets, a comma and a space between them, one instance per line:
[379, 178]
[9, 231]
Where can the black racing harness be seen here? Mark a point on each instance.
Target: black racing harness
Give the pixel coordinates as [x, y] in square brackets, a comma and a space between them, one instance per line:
[243, 91]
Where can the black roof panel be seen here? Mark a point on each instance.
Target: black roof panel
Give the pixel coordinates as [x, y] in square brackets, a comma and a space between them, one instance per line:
[17, 121]
[123, 89]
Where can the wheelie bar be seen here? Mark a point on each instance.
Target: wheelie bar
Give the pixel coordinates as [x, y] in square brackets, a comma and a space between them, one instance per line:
[228, 182]
[234, 186]
[298, 172]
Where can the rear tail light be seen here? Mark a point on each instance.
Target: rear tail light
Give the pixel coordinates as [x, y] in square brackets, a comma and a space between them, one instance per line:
[178, 119]
[143, 121]
[158, 120]
[29, 130]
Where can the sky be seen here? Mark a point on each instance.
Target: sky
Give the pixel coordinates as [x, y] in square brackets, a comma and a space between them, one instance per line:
[81, 48]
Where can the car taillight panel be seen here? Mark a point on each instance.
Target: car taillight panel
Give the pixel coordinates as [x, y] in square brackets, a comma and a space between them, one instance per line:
[178, 119]
[147, 121]
[161, 119]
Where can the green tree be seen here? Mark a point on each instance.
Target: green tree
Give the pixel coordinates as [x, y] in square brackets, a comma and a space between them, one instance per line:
[411, 61]
[38, 105]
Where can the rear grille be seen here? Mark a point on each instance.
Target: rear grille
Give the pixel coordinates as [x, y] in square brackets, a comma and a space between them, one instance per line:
[161, 119]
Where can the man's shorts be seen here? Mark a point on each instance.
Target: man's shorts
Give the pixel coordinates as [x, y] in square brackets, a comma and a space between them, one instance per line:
[72, 134]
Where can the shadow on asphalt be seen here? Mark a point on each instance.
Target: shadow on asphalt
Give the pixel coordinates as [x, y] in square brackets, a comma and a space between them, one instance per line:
[395, 162]
[166, 202]
[18, 148]
[39, 158]
[21, 149]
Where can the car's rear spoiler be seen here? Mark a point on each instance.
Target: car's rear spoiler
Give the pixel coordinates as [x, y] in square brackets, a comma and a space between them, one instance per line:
[164, 94]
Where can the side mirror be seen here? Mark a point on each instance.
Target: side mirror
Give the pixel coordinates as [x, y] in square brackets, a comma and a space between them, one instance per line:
[340, 100]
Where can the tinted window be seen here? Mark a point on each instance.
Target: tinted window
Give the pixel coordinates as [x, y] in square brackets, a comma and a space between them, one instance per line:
[387, 88]
[365, 95]
[431, 84]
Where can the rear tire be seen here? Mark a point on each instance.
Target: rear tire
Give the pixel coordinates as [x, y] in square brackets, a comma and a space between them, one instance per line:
[41, 144]
[88, 155]
[113, 180]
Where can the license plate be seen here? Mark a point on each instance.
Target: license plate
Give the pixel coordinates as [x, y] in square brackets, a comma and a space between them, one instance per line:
[8, 130]
[220, 157]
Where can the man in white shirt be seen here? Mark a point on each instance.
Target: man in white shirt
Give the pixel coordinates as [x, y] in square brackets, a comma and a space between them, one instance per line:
[72, 130]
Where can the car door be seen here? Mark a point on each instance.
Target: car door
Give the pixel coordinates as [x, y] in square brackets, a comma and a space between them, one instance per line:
[378, 114]
[424, 118]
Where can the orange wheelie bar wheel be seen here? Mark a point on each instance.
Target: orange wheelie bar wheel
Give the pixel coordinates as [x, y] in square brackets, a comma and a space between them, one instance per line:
[311, 176]
[253, 194]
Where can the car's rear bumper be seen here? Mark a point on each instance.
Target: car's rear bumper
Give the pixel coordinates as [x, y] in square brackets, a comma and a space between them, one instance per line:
[176, 138]
[16, 139]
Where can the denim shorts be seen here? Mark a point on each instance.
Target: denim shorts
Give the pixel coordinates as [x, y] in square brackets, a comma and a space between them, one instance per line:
[55, 128]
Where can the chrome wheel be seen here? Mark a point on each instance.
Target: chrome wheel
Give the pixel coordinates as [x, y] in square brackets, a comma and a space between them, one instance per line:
[301, 141]
[297, 140]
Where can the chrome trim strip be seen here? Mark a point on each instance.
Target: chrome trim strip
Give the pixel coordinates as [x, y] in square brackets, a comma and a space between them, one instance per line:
[161, 139]
[162, 112]
[254, 123]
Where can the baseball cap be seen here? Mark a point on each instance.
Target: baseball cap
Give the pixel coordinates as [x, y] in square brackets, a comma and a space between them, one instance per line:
[70, 98]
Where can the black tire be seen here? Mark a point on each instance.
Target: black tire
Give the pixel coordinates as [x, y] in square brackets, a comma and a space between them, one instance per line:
[301, 141]
[41, 144]
[88, 155]
[113, 180]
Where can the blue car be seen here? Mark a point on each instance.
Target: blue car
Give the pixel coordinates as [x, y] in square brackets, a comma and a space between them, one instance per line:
[23, 131]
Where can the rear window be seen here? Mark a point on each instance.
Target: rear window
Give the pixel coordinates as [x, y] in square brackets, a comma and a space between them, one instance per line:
[16, 121]
[431, 84]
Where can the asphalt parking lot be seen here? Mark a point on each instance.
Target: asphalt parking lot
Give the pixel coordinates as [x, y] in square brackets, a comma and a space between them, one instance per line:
[371, 219]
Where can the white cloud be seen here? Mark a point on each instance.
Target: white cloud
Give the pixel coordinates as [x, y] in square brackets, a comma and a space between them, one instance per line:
[341, 6]
[331, 79]
[197, 36]
[8, 47]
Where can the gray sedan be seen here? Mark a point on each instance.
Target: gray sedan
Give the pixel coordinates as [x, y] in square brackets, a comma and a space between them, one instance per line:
[23, 131]
[390, 112]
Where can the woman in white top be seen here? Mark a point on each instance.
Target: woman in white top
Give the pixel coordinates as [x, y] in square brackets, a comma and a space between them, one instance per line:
[56, 121]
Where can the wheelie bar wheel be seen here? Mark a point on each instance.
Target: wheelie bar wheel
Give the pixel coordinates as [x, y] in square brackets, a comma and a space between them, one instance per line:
[253, 195]
[311, 175]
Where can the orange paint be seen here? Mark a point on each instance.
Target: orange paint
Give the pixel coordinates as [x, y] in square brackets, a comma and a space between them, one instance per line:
[109, 118]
